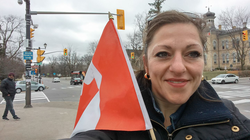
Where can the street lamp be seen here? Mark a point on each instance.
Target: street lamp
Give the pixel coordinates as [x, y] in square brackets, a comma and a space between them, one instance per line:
[45, 45]
[20, 2]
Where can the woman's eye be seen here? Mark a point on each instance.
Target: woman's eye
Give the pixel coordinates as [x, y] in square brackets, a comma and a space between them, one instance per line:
[162, 54]
[194, 54]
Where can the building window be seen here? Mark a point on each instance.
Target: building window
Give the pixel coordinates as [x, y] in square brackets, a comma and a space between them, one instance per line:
[249, 42]
[223, 58]
[214, 44]
[223, 45]
[237, 42]
[234, 57]
[249, 56]
[215, 58]
[233, 41]
[205, 47]
[227, 44]
[227, 57]
[238, 58]
[205, 59]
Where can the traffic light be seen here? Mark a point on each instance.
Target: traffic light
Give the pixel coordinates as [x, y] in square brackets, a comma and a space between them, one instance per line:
[120, 19]
[39, 57]
[36, 71]
[65, 52]
[31, 32]
[132, 55]
[244, 35]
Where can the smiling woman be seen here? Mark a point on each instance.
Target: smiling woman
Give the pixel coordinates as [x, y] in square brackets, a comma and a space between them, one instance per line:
[180, 104]
[177, 98]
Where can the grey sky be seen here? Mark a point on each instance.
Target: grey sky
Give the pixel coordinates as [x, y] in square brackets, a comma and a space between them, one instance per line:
[77, 31]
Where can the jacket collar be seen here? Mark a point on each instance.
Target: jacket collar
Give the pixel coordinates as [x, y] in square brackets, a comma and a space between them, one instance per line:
[206, 108]
[10, 79]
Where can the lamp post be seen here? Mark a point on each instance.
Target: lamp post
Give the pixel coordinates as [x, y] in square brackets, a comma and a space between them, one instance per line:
[28, 49]
[39, 69]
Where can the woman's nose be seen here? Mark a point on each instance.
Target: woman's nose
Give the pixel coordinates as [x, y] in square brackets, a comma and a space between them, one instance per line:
[177, 65]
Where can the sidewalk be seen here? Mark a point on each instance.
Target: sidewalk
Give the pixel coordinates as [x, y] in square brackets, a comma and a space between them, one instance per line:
[44, 121]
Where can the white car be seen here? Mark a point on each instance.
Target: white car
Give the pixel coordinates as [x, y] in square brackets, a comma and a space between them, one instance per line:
[225, 78]
[21, 86]
[56, 79]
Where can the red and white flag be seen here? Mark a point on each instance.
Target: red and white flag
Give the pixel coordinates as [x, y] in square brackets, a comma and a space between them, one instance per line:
[111, 98]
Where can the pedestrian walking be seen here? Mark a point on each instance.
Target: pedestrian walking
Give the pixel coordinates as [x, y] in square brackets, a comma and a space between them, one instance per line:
[8, 93]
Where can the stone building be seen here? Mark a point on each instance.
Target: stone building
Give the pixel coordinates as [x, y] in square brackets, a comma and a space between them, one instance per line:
[221, 49]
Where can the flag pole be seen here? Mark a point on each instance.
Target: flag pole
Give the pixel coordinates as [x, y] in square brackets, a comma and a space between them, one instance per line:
[152, 134]
[111, 16]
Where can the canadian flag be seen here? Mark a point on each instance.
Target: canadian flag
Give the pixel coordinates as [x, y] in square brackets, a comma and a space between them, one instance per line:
[111, 98]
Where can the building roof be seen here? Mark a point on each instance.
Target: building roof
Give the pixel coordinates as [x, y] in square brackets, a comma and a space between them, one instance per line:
[208, 14]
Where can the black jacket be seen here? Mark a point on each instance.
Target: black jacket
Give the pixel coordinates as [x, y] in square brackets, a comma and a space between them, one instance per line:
[8, 87]
[201, 120]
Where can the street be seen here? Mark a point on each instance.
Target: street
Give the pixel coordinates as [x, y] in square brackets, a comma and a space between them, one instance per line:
[238, 93]
[63, 91]
[54, 109]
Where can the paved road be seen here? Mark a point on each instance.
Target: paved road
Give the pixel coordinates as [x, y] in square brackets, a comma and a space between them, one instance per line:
[238, 93]
[63, 91]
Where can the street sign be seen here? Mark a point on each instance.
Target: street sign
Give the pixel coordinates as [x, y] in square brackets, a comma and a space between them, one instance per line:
[33, 72]
[54, 73]
[34, 66]
[27, 55]
[40, 63]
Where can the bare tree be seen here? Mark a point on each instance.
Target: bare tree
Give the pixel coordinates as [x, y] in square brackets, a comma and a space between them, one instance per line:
[156, 7]
[92, 47]
[135, 40]
[12, 35]
[11, 40]
[87, 58]
[234, 21]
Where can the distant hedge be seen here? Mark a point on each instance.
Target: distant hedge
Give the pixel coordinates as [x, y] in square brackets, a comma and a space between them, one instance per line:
[208, 75]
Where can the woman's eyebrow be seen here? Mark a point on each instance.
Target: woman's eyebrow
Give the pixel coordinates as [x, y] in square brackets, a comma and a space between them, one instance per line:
[165, 46]
[193, 45]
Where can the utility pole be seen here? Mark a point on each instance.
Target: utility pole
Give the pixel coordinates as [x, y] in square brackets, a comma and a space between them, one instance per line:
[28, 62]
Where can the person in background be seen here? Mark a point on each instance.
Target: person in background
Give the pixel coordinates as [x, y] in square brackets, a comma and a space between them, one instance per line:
[181, 105]
[8, 93]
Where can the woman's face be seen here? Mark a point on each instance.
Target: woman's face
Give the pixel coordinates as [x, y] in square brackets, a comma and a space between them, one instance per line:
[175, 62]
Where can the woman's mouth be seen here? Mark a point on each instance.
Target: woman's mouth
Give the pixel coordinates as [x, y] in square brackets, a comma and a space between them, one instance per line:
[177, 82]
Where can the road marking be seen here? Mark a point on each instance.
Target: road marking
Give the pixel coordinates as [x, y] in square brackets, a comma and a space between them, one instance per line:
[241, 101]
[34, 96]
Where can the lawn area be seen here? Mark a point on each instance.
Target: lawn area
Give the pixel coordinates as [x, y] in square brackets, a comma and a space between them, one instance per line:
[208, 75]
[211, 74]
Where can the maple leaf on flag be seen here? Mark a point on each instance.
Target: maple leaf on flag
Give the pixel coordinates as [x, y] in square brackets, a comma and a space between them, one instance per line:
[111, 98]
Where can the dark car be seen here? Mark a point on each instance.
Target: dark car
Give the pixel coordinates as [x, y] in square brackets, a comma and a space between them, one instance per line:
[75, 81]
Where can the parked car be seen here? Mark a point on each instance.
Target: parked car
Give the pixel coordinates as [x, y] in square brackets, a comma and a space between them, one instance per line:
[21, 86]
[225, 78]
[56, 79]
[75, 81]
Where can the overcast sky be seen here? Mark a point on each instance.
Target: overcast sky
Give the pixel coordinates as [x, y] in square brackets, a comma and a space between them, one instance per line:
[77, 31]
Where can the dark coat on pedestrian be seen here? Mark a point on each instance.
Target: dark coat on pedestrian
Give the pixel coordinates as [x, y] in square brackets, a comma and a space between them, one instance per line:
[204, 117]
[8, 87]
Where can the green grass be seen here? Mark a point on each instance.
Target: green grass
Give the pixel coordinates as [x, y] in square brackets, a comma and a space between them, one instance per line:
[211, 74]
